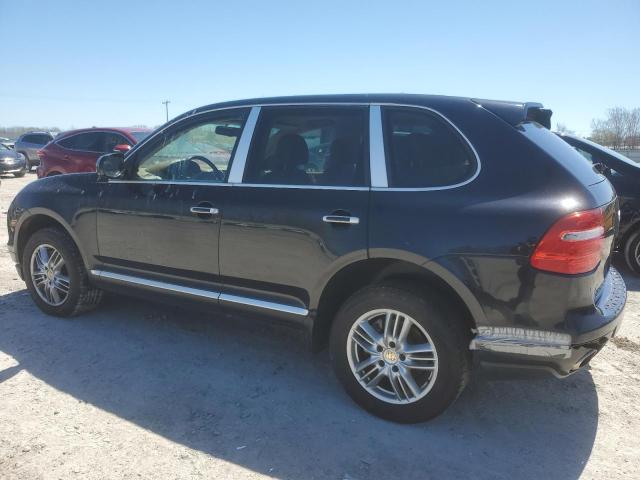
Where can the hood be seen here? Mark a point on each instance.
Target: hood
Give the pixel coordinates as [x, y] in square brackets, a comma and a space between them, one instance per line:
[8, 153]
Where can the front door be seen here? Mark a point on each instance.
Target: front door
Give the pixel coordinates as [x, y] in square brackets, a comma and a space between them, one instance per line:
[162, 221]
[301, 211]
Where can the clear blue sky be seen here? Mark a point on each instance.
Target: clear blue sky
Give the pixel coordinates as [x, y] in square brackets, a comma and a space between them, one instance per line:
[77, 64]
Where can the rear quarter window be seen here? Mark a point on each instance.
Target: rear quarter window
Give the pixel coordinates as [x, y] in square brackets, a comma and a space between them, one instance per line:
[562, 152]
[424, 151]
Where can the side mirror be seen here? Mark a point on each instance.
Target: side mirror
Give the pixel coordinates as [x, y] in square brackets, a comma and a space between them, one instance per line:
[122, 148]
[110, 165]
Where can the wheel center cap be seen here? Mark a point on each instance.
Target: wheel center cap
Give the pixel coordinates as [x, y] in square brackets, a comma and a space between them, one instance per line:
[390, 356]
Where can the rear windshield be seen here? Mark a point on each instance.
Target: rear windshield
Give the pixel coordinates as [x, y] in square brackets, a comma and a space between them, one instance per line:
[562, 152]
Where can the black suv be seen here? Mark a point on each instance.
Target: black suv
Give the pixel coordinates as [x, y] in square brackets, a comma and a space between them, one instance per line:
[413, 234]
[624, 175]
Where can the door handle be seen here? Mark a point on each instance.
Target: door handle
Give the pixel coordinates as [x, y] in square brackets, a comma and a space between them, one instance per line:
[204, 210]
[344, 219]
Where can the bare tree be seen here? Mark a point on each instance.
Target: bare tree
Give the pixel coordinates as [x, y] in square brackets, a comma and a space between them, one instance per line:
[632, 128]
[616, 118]
[621, 128]
[562, 128]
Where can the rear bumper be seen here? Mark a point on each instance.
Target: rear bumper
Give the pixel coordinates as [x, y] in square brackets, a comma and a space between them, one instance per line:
[561, 352]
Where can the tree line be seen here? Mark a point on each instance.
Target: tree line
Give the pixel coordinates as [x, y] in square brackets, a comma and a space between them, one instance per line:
[620, 129]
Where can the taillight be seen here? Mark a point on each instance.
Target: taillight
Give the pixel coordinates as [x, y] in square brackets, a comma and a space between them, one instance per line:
[573, 244]
[40, 154]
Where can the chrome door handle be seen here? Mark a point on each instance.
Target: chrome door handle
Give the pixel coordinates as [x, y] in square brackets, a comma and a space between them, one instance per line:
[204, 210]
[341, 219]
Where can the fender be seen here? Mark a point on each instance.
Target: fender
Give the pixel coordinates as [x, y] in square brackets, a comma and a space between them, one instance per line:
[29, 215]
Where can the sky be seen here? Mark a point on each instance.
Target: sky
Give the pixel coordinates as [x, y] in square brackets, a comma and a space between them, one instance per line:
[74, 64]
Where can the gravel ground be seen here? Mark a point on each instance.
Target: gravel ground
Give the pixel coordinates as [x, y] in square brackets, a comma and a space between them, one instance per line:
[137, 390]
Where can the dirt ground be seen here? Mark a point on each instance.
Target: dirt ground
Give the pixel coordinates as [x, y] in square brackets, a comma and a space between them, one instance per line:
[137, 390]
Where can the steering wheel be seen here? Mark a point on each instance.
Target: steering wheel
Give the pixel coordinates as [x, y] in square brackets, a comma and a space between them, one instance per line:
[216, 171]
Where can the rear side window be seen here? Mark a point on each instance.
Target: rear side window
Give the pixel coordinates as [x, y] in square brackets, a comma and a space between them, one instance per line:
[37, 138]
[423, 150]
[87, 142]
[321, 145]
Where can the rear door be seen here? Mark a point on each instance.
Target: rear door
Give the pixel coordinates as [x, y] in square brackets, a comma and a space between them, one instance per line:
[80, 152]
[300, 212]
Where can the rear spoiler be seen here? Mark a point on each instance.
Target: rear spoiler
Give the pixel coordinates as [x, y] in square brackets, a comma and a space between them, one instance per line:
[515, 113]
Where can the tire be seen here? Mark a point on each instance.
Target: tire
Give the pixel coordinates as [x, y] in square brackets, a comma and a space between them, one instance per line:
[632, 251]
[434, 320]
[81, 296]
[21, 173]
[27, 161]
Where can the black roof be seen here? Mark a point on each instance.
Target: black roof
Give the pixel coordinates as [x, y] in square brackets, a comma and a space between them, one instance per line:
[511, 112]
[400, 98]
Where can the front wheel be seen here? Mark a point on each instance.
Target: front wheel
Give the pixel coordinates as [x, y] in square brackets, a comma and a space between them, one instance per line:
[21, 173]
[55, 275]
[399, 353]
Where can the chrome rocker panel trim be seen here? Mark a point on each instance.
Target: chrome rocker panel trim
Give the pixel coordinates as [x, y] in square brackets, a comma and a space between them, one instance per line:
[197, 292]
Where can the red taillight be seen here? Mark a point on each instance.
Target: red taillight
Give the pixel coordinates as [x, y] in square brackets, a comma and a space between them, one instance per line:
[40, 154]
[573, 244]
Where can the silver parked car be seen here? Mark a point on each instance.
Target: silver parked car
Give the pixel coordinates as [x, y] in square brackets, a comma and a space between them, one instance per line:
[12, 162]
[28, 145]
[7, 142]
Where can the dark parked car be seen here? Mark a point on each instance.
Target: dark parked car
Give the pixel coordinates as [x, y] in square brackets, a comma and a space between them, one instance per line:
[28, 145]
[7, 142]
[12, 161]
[395, 228]
[624, 174]
[76, 151]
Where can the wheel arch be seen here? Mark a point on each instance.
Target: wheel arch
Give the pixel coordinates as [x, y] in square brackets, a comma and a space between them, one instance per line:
[37, 219]
[357, 275]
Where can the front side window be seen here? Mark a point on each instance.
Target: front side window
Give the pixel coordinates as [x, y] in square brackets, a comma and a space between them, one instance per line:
[199, 152]
[322, 146]
[110, 140]
[424, 151]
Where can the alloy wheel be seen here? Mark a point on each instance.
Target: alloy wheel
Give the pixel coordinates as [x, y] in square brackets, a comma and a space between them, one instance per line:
[49, 275]
[392, 356]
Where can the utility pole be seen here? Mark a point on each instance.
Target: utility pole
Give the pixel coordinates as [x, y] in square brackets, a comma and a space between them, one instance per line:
[166, 107]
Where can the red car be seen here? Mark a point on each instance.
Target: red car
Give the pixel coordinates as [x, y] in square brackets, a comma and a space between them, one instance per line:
[76, 151]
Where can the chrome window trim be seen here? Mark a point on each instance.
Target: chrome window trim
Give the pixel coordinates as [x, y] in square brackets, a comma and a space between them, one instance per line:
[239, 160]
[377, 158]
[172, 182]
[57, 142]
[197, 292]
[376, 188]
[305, 187]
[225, 184]
[442, 187]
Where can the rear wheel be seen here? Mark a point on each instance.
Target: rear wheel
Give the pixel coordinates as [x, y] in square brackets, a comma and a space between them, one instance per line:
[399, 353]
[632, 251]
[55, 275]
